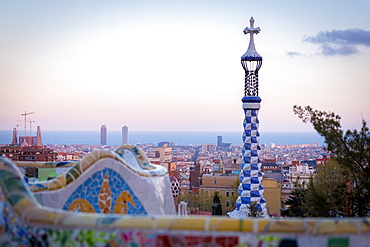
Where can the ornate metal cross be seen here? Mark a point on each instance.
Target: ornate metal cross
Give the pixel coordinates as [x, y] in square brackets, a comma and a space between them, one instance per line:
[252, 30]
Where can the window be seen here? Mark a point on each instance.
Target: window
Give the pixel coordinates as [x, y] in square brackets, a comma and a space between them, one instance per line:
[227, 193]
[215, 181]
[227, 204]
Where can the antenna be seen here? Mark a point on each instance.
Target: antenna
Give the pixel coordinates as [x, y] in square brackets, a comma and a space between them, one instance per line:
[25, 121]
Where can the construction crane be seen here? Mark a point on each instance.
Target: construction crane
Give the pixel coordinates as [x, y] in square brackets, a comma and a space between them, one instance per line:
[25, 121]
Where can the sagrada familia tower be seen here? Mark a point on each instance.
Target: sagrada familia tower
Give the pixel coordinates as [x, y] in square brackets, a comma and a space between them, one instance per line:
[250, 190]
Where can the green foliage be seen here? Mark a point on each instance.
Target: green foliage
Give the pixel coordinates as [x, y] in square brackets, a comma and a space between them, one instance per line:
[253, 210]
[201, 201]
[296, 202]
[77, 237]
[351, 150]
[327, 193]
[271, 240]
[205, 200]
[216, 207]
[188, 197]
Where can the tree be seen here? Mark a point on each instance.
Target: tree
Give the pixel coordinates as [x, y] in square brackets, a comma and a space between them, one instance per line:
[205, 201]
[254, 211]
[327, 194]
[296, 202]
[197, 202]
[351, 150]
[217, 207]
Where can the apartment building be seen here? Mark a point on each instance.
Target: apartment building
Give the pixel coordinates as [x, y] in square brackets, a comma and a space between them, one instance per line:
[226, 185]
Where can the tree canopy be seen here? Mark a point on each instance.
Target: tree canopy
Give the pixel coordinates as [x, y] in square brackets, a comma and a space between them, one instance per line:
[328, 194]
[352, 152]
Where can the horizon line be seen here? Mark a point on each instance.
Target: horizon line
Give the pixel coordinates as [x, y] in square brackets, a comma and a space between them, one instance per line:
[288, 131]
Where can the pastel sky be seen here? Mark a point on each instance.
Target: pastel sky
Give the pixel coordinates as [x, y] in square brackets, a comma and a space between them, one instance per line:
[175, 65]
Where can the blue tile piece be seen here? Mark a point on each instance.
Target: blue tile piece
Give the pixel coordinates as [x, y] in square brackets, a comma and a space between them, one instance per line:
[254, 166]
[246, 200]
[247, 160]
[246, 187]
[246, 173]
[255, 193]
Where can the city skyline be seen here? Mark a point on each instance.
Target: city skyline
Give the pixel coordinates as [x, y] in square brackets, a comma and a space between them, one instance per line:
[157, 65]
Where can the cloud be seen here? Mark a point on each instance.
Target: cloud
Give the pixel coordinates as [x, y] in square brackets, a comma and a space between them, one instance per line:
[340, 42]
[294, 53]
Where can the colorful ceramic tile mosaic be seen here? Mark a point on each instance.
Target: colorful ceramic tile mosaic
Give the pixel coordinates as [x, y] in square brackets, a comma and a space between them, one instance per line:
[111, 183]
[105, 192]
[25, 222]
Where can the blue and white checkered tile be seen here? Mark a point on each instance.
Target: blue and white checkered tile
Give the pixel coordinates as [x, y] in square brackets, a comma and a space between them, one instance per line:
[250, 188]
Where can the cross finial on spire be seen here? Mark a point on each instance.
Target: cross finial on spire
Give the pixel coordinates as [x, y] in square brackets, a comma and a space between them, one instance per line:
[252, 30]
[251, 53]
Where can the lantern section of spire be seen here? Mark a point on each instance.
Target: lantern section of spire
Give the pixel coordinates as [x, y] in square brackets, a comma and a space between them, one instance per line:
[251, 62]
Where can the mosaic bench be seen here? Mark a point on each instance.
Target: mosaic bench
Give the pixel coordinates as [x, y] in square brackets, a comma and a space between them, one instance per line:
[120, 182]
[25, 222]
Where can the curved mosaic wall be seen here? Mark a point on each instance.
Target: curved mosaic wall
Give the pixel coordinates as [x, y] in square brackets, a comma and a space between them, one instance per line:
[120, 182]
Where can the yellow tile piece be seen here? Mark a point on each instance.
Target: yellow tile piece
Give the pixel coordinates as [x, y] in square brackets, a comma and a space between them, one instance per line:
[163, 222]
[123, 199]
[81, 205]
[333, 226]
[365, 225]
[288, 226]
[188, 224]
[78, 220]
[226, 224]
[41, 217]
[135, 222]
[105, 198]
[24, 206]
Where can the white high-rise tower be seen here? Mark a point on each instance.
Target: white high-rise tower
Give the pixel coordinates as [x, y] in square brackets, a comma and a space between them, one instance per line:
[103, 135]
[124, 135]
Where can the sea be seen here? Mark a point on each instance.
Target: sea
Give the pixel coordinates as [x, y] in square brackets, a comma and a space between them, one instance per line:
[181, 138]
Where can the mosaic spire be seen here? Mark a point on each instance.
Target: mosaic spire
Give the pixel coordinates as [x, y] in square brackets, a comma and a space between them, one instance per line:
[250, 190]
